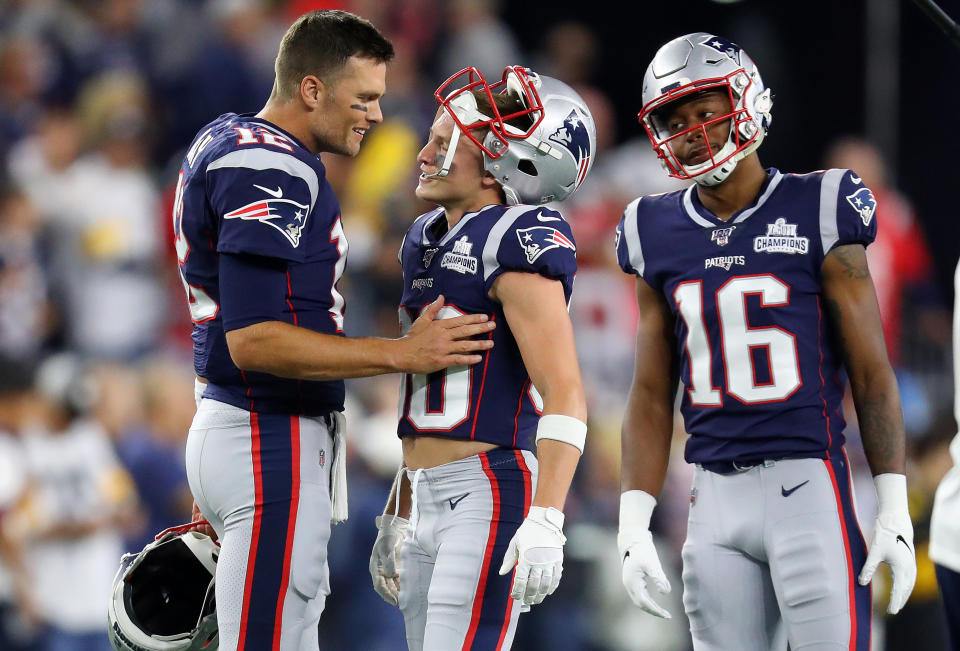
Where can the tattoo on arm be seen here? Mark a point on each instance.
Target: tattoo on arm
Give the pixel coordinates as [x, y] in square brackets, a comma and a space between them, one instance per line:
[854, 266]
[881, 431]
[877, 402]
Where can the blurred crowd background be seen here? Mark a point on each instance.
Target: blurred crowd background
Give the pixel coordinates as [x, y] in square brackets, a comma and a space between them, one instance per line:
[98, 101]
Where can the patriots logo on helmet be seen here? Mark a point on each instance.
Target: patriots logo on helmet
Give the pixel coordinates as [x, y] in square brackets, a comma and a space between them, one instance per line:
[864, 203]
[723, 46]
[573, 135]
[285, 215]
[537, 240]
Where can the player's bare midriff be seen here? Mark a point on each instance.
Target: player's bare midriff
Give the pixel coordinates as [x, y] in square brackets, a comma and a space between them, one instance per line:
[431, 451]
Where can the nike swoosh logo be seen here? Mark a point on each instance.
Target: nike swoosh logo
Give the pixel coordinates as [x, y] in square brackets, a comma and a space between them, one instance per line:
[900, 539]
[788, 493]
[278, 193]
[855, 179]
[454, 502]
[547, 219]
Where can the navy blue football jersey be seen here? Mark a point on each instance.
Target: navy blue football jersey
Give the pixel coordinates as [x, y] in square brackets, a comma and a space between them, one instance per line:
[762, 374]
[249, 191]
[492, 401]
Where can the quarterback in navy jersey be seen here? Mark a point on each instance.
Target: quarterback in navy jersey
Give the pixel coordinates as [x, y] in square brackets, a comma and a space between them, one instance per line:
[753, 290]
[472, 532]
[261, 247]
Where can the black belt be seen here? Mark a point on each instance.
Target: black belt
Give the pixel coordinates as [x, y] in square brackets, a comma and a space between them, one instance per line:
[728, 467]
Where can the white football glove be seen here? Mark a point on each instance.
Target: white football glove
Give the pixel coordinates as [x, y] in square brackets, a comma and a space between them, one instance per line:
[537, 551]
[892, 540]
[384, 569]
[637, 553]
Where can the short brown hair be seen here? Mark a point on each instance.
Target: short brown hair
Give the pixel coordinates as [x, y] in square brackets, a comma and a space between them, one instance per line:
[320, 42]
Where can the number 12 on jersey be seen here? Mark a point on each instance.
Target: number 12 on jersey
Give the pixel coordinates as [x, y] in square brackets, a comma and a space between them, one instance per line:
[737, 341]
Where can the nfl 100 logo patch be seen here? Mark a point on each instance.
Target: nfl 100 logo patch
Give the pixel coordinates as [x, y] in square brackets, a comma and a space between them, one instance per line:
[722, 235]
[428, 256]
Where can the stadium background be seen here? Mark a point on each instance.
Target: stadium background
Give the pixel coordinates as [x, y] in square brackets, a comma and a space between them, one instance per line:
[98, 100]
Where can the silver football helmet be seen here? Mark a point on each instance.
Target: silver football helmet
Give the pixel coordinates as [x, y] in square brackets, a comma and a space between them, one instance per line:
[546, 161]
[163, 597]
[692, 64]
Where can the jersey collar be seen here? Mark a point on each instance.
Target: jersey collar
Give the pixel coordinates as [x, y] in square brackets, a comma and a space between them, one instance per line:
[251, 117]
[450, 234]
[703, 217]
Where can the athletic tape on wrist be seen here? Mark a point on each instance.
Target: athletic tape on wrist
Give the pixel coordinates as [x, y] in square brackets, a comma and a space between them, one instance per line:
[636, 507]
[891, 492]
[548, 515]
[563, 428]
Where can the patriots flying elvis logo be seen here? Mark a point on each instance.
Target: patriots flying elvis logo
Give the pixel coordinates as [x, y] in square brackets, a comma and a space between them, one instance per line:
[537, 240]
[285, 215]
[573, 135]
[864, 203]
[723, 46]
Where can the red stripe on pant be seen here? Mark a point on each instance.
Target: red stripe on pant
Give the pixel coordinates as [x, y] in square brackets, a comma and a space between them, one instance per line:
[859, 639]
[527, 489]
[487, 554]
[292, 523]
[257, 517]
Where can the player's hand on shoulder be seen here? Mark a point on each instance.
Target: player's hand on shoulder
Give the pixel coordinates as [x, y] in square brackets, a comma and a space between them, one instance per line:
[434, 343]
[384, 568]
[536, 550]
[638, 555]
[892, 540]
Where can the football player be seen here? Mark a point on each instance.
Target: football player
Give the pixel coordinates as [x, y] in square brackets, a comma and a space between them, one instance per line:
[945, 519]
[473, 531]
[261, 247]
[753, 288]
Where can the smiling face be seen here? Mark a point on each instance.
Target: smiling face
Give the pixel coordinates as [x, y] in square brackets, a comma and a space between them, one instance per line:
[466, 183]
[680, 121]
[350, 106]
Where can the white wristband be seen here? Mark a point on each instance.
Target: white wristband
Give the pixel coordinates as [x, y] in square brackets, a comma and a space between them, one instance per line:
[636, 507]
[563, 428]
[891, 493]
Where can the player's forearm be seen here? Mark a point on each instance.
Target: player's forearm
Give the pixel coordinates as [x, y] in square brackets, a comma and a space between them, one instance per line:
[557, 463]
[289, 351]
[557, 460]
[645, 443]
[877, 401]
[851, 304]
[563, 396]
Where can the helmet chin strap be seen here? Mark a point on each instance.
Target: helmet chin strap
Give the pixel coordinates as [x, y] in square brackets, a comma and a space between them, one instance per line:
[444, 166]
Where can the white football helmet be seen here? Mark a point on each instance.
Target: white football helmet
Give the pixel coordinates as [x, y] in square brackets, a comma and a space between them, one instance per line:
[163, 597]
[692, 64]
[548, 160]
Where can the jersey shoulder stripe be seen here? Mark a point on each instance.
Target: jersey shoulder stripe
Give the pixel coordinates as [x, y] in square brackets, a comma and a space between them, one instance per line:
[258, 158]
[631, 236]
[829, 189]
[503, 224]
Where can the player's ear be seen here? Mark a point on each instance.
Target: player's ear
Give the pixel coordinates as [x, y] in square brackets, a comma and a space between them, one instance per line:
[312, 91]
[487, 180]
